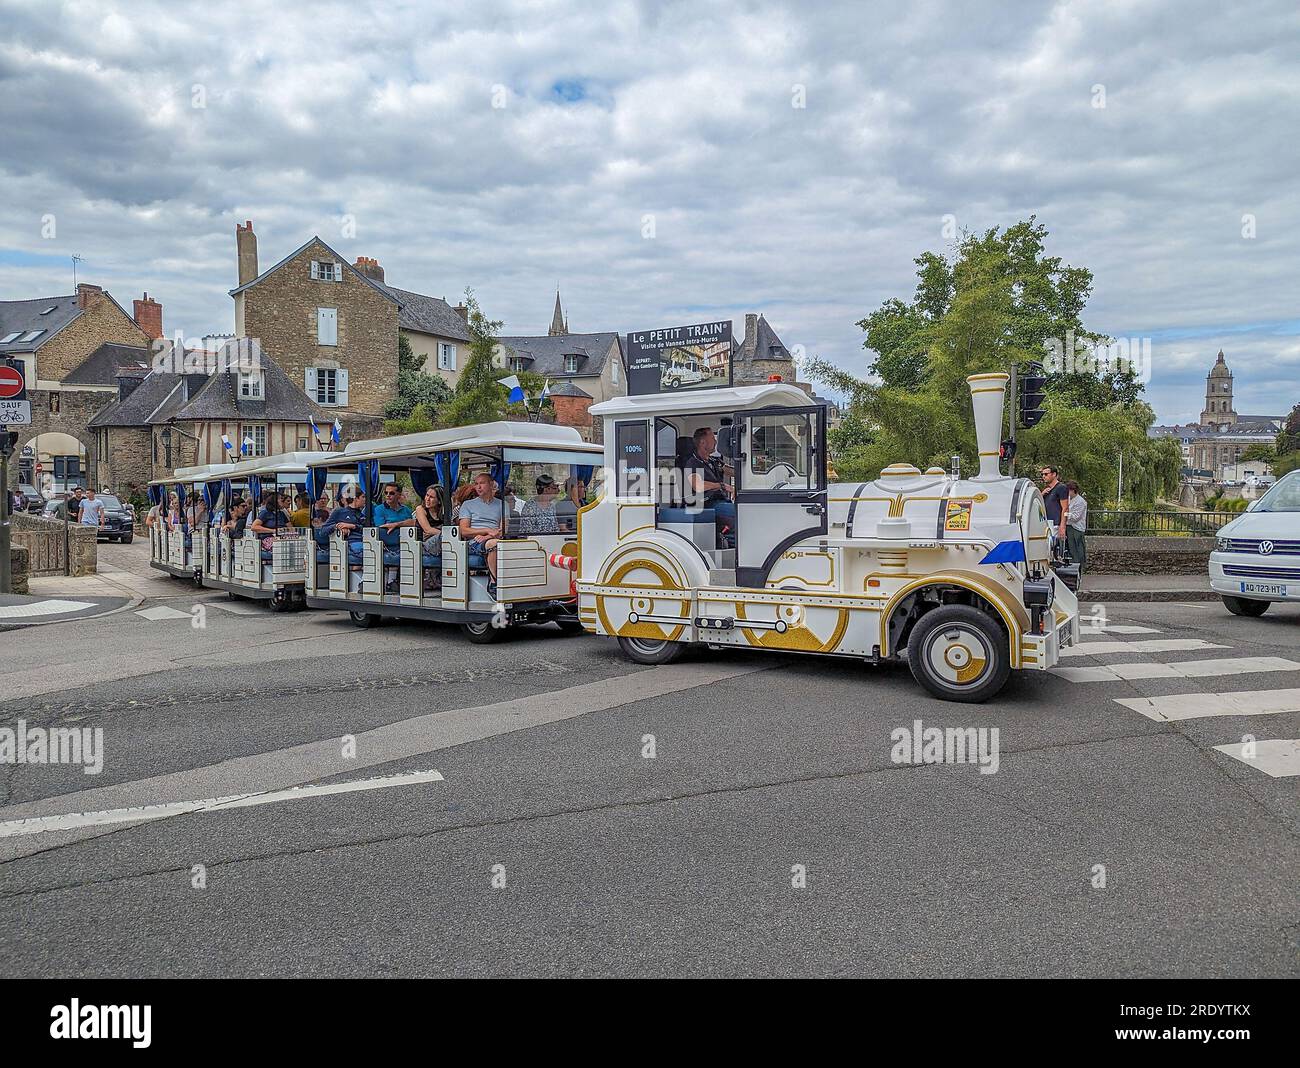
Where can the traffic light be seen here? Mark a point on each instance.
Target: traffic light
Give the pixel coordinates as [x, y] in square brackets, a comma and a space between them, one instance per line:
[1032, 388]
[1007, 450]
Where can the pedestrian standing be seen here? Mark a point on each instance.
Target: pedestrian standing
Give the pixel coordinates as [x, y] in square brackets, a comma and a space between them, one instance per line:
[1076, 525]
[1056, 499]
[92, 510]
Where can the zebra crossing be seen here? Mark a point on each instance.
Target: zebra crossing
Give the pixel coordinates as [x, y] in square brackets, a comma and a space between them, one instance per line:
[1275, 757]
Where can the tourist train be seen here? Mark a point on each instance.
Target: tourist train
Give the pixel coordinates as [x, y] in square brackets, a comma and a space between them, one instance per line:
[709, 522]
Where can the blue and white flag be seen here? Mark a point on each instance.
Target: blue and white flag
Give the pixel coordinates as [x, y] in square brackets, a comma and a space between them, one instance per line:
[315, 430]
[516, 390]
[246, 447]
[336, 432]
[546, 389]
[226, 443]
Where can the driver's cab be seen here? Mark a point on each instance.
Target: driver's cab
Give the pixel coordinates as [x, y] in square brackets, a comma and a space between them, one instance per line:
[739, 474]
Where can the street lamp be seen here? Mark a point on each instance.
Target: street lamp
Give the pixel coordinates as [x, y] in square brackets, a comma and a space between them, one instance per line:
[167, 446]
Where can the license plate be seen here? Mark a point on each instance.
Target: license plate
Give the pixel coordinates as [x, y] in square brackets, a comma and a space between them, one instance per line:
[1063, 635]
[1268, 589]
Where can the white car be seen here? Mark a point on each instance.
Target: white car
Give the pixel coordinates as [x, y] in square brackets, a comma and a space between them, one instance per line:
[1257, 558]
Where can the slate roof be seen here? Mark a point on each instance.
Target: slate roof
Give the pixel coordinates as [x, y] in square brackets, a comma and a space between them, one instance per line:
[568, 389]
[427, 315]
[547, 353]
[102, 367]
[145, 400]
[764, 346]
[26, 316]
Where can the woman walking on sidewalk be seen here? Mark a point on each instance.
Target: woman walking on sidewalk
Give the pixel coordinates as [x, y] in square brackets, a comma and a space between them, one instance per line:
[1076, 525]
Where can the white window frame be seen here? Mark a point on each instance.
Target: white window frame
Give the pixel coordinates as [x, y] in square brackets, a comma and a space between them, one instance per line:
[446, 356]
[570, 364]
[260, 435]
[251, 385]
[321, 382]
[326, 271]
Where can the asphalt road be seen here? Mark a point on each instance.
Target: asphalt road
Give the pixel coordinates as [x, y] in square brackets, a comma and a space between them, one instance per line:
[554, 844]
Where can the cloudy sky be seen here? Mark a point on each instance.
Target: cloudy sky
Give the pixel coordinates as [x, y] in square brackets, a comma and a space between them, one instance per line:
[650, 159]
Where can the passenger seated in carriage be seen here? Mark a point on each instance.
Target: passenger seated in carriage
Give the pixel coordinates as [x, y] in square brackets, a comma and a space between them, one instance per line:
[348, 518]
[428, 518]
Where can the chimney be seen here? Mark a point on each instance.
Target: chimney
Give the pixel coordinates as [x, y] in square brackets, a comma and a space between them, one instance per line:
[246, 249]
[987, 393]
[751, 329]
[370, 268]
[88, 294]
[463, 311]
[148, 317]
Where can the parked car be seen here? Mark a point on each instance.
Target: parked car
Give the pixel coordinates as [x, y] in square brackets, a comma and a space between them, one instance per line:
[33, 501]
[119, 518]
[1256, 559]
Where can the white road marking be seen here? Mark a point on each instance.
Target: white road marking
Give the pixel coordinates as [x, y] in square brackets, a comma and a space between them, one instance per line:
[72, 820]
[1150, 645]
[1177, 706]
[43, 608]
[402, 740]
[1126, 628]
[1183, 669]
[1278, 757]
[162, 612]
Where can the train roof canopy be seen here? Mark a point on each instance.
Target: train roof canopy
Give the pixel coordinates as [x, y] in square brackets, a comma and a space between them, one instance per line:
[686, 402]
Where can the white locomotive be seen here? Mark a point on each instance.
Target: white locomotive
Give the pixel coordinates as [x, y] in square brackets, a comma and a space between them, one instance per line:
[953, 573]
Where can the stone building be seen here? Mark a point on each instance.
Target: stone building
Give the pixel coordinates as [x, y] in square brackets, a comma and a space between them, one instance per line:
[760, 355]
[1213, 447]
[438, 333]
[164, 420]
[593, 363]
[66, 347]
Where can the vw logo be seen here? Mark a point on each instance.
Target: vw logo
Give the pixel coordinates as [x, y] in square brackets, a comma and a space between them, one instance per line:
[1265, 547]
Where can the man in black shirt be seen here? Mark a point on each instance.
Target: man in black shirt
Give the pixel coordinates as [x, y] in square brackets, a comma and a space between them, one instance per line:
[705, 479]
[1056, 498]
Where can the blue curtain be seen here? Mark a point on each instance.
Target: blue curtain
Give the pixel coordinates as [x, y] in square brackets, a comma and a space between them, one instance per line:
[226, 494]
[155, 494]
[422, 478]
[255, 488]
[316, 482]
[500, 472]
[180, 497]
[211, 490]
[368, 475]
[584, 472]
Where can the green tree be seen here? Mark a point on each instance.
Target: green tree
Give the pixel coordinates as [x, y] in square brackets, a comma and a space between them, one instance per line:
[478, 396]
[998, 302]
[415, 386]
[421, 419]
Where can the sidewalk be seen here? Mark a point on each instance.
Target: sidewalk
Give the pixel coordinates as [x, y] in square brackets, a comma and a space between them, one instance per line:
[19, 610]
[1147, 588]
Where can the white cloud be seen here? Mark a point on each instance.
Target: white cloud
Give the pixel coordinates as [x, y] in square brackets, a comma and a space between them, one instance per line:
[812, 214]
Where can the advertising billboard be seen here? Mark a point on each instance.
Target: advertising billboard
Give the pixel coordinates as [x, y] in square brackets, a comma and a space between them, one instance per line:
[679, 358]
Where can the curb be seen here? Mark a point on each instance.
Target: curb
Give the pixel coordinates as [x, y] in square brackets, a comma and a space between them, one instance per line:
[1113, 596]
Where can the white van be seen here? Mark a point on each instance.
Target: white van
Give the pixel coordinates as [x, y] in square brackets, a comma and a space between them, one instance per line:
[1256, 560]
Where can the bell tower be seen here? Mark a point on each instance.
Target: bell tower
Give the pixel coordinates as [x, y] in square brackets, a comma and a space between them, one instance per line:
[1218, 409]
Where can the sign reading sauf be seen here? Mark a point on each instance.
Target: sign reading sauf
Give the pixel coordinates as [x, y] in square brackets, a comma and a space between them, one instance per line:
[751, 548]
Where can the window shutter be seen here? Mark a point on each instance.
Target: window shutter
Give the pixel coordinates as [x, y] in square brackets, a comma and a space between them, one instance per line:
[451, 357]
[315, 269]
[310, 384]
[342, 380]
[327, 326]
[338, 271]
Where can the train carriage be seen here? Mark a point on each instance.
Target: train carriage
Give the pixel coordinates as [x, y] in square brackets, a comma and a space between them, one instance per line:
[179, 550]
[953, 574]
[541, 475]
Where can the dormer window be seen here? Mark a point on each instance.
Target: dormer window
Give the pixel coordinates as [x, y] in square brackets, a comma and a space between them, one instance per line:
[518, 363]
[571, 363]
[250, 385]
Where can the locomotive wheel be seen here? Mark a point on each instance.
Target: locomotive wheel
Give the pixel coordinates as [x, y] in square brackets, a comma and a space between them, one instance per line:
[959, 654]
[651, 650]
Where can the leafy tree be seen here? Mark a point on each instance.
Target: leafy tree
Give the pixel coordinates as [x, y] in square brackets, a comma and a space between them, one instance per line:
[998, 302]
[478, 396]
[415, 386]
[419, 421]
[1264, 453]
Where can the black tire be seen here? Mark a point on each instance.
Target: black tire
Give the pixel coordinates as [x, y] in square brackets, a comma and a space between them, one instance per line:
[126, 539]
[947, 634]
[482, 633]
[364, 620]
[198, 580]
[1239, 606]
[281, 601]
[651, 650]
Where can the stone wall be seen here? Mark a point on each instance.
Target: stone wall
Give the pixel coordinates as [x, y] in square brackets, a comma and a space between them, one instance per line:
[1108, 555]
[64, 411]
[102, 320]
[280, 312]
[43, 540]
[18, 567]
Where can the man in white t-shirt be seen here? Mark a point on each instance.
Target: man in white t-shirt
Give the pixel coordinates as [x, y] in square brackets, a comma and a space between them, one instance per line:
[92, 510]
[480, 521]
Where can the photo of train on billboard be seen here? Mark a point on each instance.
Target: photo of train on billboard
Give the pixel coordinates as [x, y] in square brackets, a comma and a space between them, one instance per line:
[679, 357]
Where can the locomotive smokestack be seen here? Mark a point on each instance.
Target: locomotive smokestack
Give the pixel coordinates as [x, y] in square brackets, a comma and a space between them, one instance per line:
[987, 393]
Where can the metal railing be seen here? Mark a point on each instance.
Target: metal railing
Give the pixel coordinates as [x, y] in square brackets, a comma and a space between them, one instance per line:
[1112, 522]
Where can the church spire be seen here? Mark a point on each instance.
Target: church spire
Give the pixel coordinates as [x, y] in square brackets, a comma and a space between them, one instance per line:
[558, 326]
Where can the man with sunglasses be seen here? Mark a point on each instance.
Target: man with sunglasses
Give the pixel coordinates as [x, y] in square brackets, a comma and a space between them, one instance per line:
[391, 515]
[1056, 499]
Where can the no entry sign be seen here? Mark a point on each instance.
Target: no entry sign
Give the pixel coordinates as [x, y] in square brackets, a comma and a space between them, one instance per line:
[15, 409]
